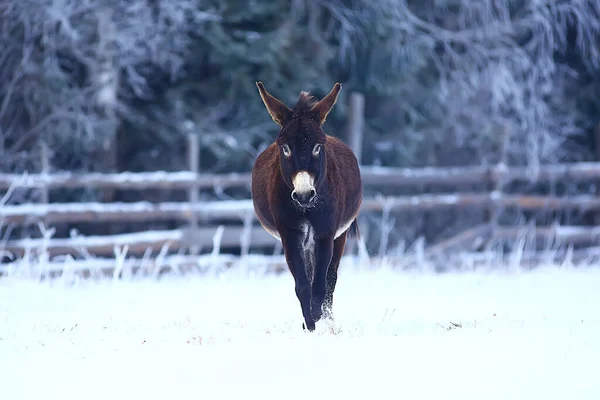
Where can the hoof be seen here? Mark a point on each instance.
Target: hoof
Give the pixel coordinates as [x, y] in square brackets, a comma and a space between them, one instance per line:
[316, 311]
[311, 326]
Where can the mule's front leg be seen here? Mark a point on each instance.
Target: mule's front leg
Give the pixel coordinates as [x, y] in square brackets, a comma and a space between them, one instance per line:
[323, 253]
[293, 254]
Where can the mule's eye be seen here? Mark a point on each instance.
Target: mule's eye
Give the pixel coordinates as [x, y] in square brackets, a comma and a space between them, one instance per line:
[286, 150]
[317, 149]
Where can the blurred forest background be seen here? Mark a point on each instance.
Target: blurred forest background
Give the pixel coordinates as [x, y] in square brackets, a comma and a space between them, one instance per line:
[117, 85]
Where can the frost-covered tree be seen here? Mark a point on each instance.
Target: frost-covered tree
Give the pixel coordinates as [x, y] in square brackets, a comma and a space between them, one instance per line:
[76, 68]
[463, 72]
[61, 89]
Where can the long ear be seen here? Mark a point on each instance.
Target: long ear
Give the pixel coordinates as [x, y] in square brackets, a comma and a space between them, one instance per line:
[323, 107]
[276, 108]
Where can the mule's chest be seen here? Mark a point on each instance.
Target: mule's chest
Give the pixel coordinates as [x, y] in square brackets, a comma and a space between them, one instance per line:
[307, 240]
[323, 228]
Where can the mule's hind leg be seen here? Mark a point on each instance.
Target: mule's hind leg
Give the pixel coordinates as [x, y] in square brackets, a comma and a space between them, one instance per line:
[323, 256]
[332, 273]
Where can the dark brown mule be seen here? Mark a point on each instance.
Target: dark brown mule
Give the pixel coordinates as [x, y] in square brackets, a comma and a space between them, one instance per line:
[307, 190]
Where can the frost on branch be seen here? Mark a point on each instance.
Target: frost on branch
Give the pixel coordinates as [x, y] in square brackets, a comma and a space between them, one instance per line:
[454, 74]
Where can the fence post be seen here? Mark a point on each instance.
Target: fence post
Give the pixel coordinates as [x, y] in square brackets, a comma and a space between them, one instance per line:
[194, 167]
[45, 159]
[356, 123]
[46, 169]
[498, 182]
[43, 191]
[596, 219]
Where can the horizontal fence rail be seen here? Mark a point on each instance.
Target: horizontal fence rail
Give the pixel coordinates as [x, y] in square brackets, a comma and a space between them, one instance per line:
[238, 209]
[371, 175]
[125, 180]
[140, 242]
[152, 265]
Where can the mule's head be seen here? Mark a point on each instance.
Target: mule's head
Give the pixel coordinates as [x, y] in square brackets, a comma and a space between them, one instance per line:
[301, 142]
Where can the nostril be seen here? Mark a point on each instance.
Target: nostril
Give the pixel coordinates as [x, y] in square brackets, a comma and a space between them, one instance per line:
[294, 196]
[313, 193]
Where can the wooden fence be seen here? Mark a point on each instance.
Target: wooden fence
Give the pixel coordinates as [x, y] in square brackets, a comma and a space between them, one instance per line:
[244, 232]
[372, 176]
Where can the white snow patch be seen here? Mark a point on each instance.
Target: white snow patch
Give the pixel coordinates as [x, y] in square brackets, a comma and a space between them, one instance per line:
[518, 335]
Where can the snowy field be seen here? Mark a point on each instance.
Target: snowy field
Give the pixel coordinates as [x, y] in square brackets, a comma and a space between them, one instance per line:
[412, 335]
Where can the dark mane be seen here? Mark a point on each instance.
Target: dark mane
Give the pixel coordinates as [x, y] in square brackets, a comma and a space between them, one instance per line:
[302, 124]
[304, 104]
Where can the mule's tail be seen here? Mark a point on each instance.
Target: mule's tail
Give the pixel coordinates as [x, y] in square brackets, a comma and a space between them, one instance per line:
[353, 230]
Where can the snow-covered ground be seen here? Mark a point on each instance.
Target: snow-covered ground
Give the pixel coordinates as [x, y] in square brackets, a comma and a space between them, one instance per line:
[412, 335]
